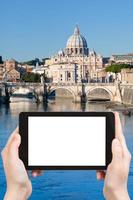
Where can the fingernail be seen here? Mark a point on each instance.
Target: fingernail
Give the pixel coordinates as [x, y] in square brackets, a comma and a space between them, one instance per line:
[34, 175]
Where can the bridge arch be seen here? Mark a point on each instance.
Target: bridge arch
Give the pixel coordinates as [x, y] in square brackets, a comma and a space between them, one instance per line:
[108, 93]
[21, 90]
[64, 88]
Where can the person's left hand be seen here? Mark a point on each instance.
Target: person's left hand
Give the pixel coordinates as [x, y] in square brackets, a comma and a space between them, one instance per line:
[18, 183]
[116, 176]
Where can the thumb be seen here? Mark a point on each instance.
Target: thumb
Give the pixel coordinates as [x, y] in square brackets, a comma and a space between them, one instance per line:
[117, 150]
[14, 146]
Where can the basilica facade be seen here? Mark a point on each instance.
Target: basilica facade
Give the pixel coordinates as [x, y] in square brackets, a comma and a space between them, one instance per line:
[75, 63]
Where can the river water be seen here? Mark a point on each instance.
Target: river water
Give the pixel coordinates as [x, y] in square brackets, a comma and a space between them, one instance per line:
[61, 185]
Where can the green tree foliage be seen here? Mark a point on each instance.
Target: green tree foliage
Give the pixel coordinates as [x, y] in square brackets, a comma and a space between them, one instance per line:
[116, 68]
[31, 77]
[32, 62]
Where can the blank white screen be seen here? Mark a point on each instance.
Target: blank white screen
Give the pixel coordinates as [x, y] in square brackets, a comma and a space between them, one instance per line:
[66, 141]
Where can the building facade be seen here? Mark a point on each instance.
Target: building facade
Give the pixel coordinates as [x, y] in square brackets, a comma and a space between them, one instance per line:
[10, 64]
[11, 74]
[127, 75]
[75, 63]
[1, 71]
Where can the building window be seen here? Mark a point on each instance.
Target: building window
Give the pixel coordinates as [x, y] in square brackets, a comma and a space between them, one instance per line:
[76, 51]
[61, 75]
[81, 50]
[69, 74]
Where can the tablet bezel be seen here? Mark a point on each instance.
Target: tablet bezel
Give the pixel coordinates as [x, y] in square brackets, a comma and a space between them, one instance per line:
[23, 130]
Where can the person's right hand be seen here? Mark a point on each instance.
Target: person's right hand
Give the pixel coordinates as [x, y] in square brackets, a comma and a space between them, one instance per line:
[18, 183]
[116, 176]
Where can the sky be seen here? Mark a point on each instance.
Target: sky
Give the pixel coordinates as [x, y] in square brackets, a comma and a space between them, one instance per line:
[40, 28]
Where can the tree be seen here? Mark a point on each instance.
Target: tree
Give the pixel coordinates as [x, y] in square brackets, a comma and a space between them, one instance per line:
[32, 62]
[116, 68]
[31, 77]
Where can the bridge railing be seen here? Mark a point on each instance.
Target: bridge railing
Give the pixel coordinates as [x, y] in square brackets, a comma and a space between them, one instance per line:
[23, 84]
[80, 84]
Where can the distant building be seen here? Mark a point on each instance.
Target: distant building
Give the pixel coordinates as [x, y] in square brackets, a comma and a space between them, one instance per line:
[10, 64]
[122, 59]
[75, 63]
[27, 68]
[13, 76]
[1, 68]
[1, 71]
[38, 69]
[101, 75]
[11, 73]
[44, 60]
[127, 75]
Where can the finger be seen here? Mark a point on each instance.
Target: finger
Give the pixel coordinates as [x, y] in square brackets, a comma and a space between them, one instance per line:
[119, 132]
[100, 175]
[36, 173]
[117, 151]
[13, 147]
[12, 136]
[118, 127]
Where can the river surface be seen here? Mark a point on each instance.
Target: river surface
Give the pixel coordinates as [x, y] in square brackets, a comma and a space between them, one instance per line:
[61, 185]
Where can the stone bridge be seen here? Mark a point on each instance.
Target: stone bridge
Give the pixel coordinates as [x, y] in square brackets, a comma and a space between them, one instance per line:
[106, 91]
[110, 91]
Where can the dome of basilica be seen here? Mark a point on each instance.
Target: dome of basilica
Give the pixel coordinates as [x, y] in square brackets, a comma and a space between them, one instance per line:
[76, 40]
[76, 44]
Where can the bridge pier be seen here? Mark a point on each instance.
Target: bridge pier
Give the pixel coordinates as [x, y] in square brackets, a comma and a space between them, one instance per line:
[83, 95]
[41, 94]
[83, 98]
[39, 98]
[4, 94]
[45, 94]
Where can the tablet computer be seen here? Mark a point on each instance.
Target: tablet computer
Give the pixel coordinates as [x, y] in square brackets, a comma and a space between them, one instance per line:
[66, 140]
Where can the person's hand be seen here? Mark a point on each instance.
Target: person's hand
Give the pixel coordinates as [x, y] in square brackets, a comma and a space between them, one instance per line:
[18, 184]
[116, 176]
